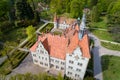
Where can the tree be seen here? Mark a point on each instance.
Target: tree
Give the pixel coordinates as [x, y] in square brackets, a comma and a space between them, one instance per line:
[30, 31]
[57, 6]
[59, 77]
[24, 10]
[0, 34]
[36, 14]
[113, 18]
[4, 8]
[93, 3]
[76, 8]
[12, 11]
[94, 14]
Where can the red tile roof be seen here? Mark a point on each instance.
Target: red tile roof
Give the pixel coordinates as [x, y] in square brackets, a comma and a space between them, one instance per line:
[58, 46]
[64, 19]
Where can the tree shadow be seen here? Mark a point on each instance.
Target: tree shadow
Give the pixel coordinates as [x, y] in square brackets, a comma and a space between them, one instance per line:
[104, 62]
[100, 64]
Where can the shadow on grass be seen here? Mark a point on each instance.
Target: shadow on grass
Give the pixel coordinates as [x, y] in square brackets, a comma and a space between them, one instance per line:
[105, 62]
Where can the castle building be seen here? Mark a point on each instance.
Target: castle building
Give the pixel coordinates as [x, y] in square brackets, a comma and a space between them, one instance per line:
[68, 53]
[63, 22]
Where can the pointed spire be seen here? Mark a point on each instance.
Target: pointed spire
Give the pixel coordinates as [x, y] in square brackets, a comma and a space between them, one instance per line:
[55, 17]
[82, 27]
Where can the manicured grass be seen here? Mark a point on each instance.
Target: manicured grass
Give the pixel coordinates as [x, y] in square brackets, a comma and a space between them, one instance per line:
[101, 24]
[111, 46]
[47, 28]
[16, 58]
[103, 35]
[111, 67]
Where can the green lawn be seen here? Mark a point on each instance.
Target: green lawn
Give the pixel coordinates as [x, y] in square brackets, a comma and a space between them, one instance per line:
[111, 46]
[102, 35]
[105, 35]
[101, 24]
[111, 67]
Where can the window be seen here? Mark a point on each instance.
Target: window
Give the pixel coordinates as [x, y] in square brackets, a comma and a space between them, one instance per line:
[57, 67]
[78, 70]
[45, 52]
[79, 64]
[35, 60]
[41, 51]
[41, 63]
[70, 67]
[76, 75]
[83, 58]
[45, 58]
[39, 57]
[62, 63]
[46, 64]
[69, 73]
[62, 68]
[71, 62]
[34, 55]
[69, 43]
[42, 57]
[52, 60]
[56, 61]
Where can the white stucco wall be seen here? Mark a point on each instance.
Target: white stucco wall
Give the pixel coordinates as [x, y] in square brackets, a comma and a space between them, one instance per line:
[42, 57]
[77, 58]
[58, 64]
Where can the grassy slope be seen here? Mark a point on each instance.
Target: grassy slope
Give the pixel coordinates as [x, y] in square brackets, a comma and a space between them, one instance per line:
[111, 46]
[110, 66]
[101, 24]
[105, 35]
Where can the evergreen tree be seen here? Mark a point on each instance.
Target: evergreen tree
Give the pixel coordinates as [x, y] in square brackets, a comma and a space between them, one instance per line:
[12, 11]
[93, 3]
[24, 11]
[76, 8]
[94, 14]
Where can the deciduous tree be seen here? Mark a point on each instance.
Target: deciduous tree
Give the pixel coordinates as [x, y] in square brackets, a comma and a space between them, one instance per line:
[30, 31]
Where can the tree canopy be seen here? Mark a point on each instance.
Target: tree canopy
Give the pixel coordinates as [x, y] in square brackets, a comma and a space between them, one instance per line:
[30, 31]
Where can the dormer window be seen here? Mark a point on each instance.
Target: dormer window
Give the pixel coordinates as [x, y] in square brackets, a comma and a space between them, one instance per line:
[64, 22]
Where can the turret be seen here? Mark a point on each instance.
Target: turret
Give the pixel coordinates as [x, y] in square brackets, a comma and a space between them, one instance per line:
[55, 21]
[81, 27]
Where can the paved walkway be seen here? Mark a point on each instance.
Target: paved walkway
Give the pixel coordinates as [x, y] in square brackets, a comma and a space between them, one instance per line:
[96, 57]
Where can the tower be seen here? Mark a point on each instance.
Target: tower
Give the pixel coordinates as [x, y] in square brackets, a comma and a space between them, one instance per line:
[81, 27]
[55, 21]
